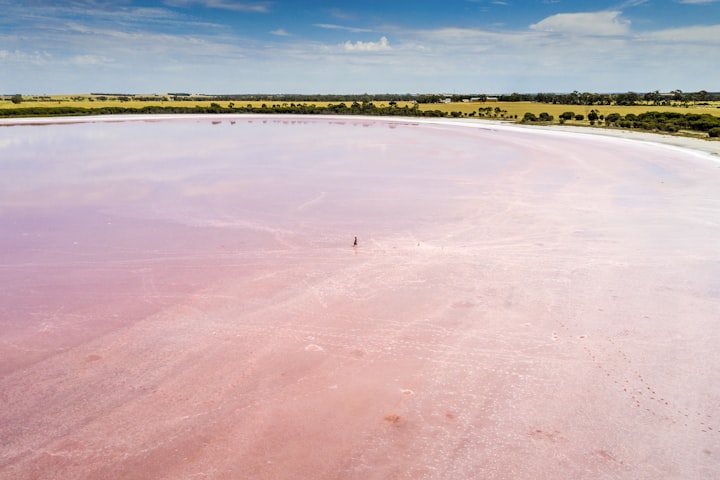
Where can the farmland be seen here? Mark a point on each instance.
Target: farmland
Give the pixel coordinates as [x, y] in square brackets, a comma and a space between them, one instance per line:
[516, 111]
[512, 110]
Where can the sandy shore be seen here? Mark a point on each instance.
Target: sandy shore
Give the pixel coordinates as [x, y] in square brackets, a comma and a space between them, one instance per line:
[708, 146]
[182, 299]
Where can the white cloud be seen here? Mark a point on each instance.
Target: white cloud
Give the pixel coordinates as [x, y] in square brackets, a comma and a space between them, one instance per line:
[462, 36]
[87, 60]
[359, 46]
[705, 35]
[340, 14]
[631, 3]
[697, 2]
[257, 7]
[37, 58]
[280, 32]
[591, 23]
[331, 26]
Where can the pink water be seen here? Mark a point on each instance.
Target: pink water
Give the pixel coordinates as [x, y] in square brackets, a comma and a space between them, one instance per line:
[182, 299]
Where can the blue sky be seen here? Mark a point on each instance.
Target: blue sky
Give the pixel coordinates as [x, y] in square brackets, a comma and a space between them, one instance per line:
[373, 46]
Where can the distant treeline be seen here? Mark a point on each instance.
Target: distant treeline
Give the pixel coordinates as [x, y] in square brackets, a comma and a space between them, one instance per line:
[574, 98]
[586, 98]
[356, 108]
[188, 97]
[676, 97]
[629, 98]
[666, 122]
[670, 122]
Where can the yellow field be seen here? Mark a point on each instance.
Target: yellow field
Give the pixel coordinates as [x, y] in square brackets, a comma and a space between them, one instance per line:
[86, 102]
[93, 102]
[512, 111]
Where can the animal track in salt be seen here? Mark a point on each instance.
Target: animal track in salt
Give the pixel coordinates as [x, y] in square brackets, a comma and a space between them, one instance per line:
[629, 378]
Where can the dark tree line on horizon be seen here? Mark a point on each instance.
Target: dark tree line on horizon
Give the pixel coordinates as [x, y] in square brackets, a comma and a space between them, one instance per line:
[587, 98]
[356, 108]
[574, 98]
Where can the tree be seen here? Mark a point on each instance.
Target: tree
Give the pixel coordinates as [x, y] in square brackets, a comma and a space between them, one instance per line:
[16, 99]
[629, 98]
[612, 118]
[567, 115]
[653, 97]
[700, 96]
[546, 117]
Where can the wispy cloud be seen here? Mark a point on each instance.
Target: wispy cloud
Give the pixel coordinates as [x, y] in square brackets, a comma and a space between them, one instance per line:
[629, 3]
[255, 7]
[697, 2]
[359, 46]
[38, 58]
[340, 14]
[88, 60]
[593, 23]
[54, 15]
[280, 32]
[702, 35]
[331, 26]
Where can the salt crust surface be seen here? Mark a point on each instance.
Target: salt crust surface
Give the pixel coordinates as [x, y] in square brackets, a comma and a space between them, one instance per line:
[182, 299]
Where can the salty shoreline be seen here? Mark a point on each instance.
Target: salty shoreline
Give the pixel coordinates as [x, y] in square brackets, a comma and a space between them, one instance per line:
[688, 143]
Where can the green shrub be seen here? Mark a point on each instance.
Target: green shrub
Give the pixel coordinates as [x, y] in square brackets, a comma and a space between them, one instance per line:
[612, 118]
[546, 117]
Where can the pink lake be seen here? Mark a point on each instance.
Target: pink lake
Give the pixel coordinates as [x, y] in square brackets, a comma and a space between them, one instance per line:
[181, 298]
